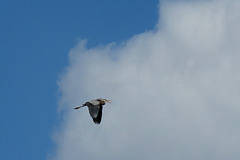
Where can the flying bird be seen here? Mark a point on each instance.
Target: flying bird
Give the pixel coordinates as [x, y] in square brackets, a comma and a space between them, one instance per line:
[95, 108]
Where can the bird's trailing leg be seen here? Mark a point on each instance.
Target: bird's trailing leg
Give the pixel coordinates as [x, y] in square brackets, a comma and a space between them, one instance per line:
[80, 106]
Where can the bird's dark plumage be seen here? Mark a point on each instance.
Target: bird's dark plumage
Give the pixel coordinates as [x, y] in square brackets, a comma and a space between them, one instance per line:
[98, 119]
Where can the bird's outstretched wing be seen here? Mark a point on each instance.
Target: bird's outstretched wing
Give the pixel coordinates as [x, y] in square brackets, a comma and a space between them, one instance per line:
[98, 119]
[95, 112]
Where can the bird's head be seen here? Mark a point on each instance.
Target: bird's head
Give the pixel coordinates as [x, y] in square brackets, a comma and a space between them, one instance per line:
[106, 100]
[103, 101]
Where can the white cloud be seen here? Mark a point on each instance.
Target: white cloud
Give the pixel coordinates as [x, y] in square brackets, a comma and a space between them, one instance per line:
[174, 91]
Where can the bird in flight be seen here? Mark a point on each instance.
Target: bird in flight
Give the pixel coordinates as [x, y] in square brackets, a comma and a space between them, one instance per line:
[95, 108]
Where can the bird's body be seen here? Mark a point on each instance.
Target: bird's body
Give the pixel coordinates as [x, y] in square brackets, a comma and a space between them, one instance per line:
[95, 108]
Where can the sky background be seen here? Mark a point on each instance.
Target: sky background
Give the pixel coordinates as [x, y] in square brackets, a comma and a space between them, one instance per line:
[171, 71]
[35, 39]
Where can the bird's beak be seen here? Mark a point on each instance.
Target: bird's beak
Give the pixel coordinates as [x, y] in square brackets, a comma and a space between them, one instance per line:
[109, 101]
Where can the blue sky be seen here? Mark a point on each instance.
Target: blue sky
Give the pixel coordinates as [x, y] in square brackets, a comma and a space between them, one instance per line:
[35, 40]
[174, 79]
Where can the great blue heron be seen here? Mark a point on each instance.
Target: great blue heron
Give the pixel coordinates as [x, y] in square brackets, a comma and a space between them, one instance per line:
[95, 108]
